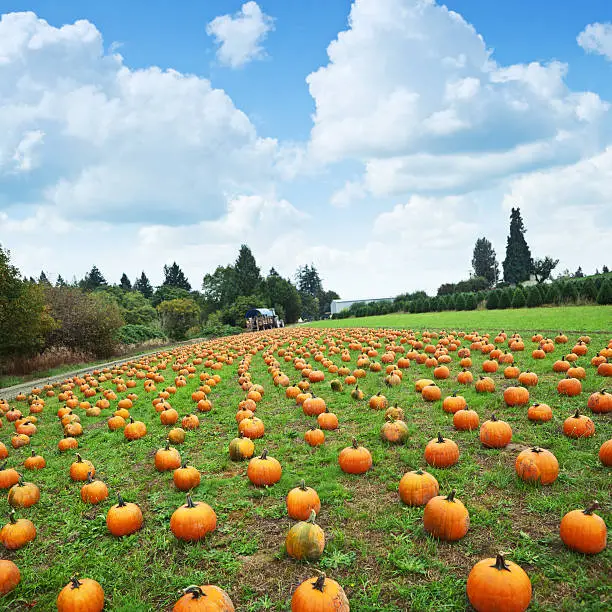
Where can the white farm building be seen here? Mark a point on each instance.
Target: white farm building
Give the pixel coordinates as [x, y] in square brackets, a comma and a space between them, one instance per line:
[340, 305]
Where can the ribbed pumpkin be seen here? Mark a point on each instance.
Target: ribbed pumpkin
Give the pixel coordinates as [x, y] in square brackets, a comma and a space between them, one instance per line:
[355, 459]
[578, 426]
[81, 595]
[327, 420]
[416, 488]
[186, 477]
[204, 598]
[264, 471]
[495, 433]
[319, 595]
[605, 453]
[305, 540]
[193, 520]
[516, 396]
[301, 500]
[314, 436]
[600, 402]
[569, 386]
[453, 403]
[537, 465]
[167, 458]
[80, 468]
[10, 576]
[93, 491]
[394, 432]
[584, 531]
[123, 518]
[241, 448]
[441, 452]
[23, 494]
[252, 428]
[497, 585]
[466, 420]
[446, 518]
[539, 413]
[17, 532]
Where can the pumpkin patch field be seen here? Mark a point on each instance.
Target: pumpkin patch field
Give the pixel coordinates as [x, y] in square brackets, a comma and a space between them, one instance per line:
[317, 469]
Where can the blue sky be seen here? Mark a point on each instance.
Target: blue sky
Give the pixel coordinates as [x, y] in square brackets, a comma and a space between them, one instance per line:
[406, 144]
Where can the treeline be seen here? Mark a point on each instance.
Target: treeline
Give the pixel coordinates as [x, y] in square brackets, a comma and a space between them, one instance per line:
[485, 288]
[91, 317]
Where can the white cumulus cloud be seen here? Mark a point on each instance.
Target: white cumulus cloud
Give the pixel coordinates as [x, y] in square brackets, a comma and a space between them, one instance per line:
[240, 36]
[597, 38]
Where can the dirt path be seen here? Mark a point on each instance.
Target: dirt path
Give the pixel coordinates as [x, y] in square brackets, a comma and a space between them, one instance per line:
[10, 393]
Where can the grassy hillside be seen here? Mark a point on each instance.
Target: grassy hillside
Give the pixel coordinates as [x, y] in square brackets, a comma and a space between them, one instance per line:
[575, 318]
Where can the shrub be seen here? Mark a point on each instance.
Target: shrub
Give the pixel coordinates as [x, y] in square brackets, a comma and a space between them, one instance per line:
[504, 299]
[459, 301]
[178, 316]
[493, 300]
[216, 331]
[470, 301]
[605, 293]
[534, 297]
[518, 298]
[137, 334]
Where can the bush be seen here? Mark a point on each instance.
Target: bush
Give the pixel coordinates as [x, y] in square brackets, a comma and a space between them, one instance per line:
[470, 301]
[534, 297]
[518, 298]
[87, 322]
[605, 293]
[137, 334]
[216, 331]
[493, 300]
[505, 299]
[459, 301]
[588, 290]
[178, 316]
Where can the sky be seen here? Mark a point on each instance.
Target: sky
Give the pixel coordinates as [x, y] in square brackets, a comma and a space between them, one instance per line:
[376, 139]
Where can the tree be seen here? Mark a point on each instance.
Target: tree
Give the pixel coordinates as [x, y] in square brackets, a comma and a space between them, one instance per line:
[93, 280]
[60, 282]
[167, 294]
[492, 300]
[505, 299]
[247, 274]
[470, 301]
[282, 294]
[459, 301]
[446, 289]
[518, 298]
[43, 280]
[24, 317]
[579, 273]
[534, 297]
[174, 277]
[219, 289]
[87, 322]
[542, 268]
[605, 292]
[518, 264]
[308, 280]
[177, 316]
[125, 283]
[136, 309]
[143, 285]
[476, 283]
[234, 314]
[484, 261]
[310, 306]
[588, 290]
[325, 300]
[605, 270]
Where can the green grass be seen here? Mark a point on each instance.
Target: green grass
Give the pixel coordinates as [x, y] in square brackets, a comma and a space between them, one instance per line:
[376, 547]
[553, 319]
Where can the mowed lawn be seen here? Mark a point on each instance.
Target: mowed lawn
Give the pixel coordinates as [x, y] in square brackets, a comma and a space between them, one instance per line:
[553, 319]
[376, 547]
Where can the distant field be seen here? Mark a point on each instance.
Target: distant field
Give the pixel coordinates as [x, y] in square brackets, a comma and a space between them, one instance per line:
[567, 318]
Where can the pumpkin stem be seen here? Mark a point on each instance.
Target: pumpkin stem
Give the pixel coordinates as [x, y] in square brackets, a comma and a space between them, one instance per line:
[302, 485]
[190, 503]
[74, 582]
[312, 517]
[500, 563]
[89, 478]
[79, 458]
[167, 447]
[121, 503]
[264, 454]
[419, 471]
[493, 417]
[184, 464]
[12, 516]
[536, 449]
[355, 445]
[33, 453]
[440, 438]
[20, 481]
[594, 506]
[195, 591]
[319, 583]
[451, 496]
[577, 414]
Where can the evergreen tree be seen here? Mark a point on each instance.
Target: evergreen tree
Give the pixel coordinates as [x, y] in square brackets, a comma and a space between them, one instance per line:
[219, 288]
[283, 296]
[143, 285]
[579, 273]
[534, 297]
[459, 301]
[43, 280]
[93, 280]
[518, 298]
[484, 261]
[174, 277]
[247, 274]
[493, 300]
[505, 299]
[605, 270]
[470, 301]
[442, 303]
[570, 292]
[308, 280]
[518, 264]
[450, 301]
[588, 290]
[605, 292]
[60, 282]
[125, 283]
